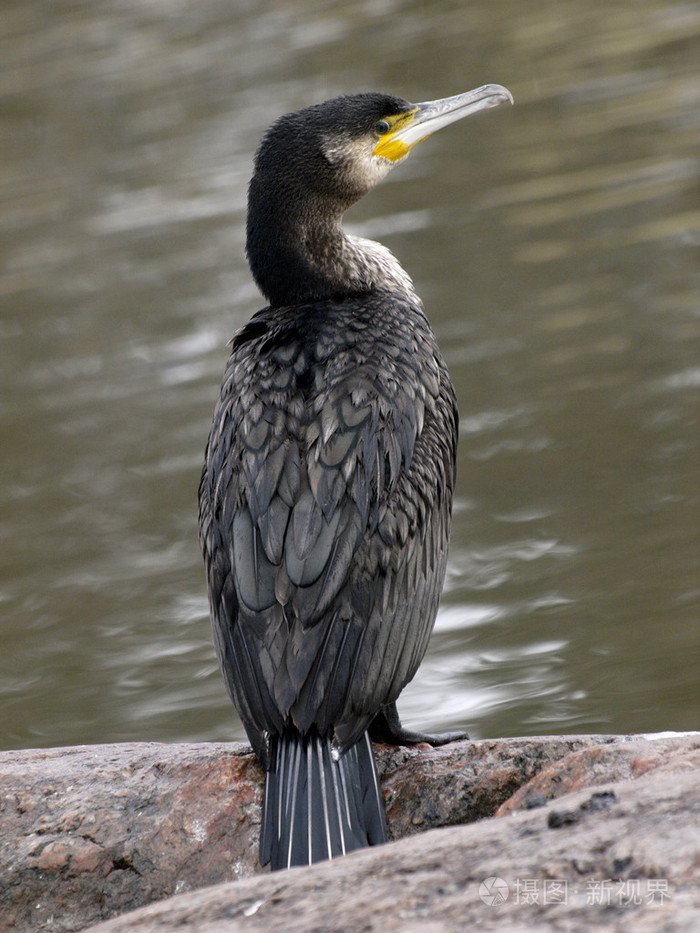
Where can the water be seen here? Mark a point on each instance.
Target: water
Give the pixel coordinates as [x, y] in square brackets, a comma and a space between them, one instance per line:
[555, 245]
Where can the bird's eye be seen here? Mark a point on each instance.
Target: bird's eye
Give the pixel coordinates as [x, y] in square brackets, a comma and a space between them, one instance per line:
[381, 128]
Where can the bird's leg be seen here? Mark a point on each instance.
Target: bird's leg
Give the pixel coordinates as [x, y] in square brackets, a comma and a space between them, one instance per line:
[386, 727]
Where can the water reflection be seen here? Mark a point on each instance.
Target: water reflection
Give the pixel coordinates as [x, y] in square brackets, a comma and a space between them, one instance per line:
[554, 248]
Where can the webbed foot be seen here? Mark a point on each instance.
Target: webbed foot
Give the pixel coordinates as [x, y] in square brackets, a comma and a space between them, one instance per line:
[386, 727]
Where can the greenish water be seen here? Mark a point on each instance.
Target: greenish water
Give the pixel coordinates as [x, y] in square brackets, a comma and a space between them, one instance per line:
[556, 245]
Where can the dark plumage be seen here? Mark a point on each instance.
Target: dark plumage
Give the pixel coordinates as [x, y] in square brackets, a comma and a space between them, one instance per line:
[326, 493]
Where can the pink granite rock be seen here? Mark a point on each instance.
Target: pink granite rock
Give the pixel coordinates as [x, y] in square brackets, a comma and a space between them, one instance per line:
[93, 832]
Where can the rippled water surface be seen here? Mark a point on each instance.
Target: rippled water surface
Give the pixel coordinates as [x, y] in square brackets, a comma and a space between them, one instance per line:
[556, 245]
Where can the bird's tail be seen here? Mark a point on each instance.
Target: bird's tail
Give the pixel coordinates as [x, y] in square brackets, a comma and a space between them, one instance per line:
[319, 804]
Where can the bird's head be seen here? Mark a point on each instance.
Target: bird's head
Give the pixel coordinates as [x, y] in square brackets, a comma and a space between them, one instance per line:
[340, 149]
[312, 165]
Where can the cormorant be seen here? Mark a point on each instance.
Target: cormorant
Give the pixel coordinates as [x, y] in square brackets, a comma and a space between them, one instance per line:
[326, 494]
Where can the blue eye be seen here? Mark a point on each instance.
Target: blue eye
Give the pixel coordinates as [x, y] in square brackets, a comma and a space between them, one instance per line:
[381, 128]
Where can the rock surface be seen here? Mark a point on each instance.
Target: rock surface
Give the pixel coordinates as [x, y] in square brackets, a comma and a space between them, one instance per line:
[90, 833]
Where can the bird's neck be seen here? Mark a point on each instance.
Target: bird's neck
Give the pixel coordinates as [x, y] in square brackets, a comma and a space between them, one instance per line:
[302, 254]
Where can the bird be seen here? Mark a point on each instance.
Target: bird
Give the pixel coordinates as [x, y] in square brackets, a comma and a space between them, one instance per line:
[326, 494]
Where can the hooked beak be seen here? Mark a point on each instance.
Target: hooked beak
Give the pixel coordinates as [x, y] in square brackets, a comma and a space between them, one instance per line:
[423, 120]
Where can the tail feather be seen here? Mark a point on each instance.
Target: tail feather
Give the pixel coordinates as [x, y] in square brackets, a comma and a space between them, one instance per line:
[319, 805]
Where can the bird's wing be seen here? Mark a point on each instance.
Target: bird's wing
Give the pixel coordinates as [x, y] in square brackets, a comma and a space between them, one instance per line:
[324, 511]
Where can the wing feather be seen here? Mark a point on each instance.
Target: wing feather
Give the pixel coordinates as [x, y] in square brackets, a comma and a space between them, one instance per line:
[324, 511]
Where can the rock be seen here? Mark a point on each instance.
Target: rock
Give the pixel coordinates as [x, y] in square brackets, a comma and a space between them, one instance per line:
[601, 763]
[630, 864]
[89, 833]
[428, 787]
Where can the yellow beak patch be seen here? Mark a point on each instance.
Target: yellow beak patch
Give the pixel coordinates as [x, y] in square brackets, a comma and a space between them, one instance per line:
[390, 145]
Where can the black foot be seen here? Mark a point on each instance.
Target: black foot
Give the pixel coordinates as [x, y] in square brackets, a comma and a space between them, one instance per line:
[386, 727]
